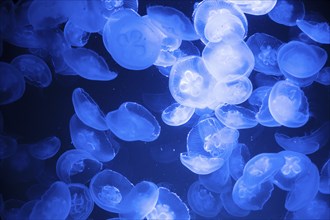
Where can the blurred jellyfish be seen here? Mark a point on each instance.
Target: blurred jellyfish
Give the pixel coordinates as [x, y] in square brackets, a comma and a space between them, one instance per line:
[286, 12]
[108, 189]
[202, 201]
[34, 69]
[323, 77]
[325, 178]
[176, 114]
[74, 35]
[8, 146]
[216, 181]
[45, 148]
[288, 104]
[132, 122]
[254, 7]
[238, 159]
[82, 203]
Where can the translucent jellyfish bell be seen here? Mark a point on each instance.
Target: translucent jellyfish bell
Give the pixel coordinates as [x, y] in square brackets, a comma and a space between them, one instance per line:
[228, 61]
[45, 148]
[129, 39]
[108, 189]
[264, 48]
[325, 178]
[238, 159]
[254, 7]
[216, 181]
[323, 77]
[74, 35]
[132, 122]
[286, 12]
[82, 203]
[8, 146]
[176, 114]
[288, 104]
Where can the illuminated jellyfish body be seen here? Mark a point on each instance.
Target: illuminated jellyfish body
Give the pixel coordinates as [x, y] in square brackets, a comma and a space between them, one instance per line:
[176, 114]
[88, 64]
[209, 145]
[286, 12]
[316, 29]
[237, 160]
[77, 166]
[130, 40]
[55, 203]
[217, 20]
[307, 144]
[264, 48]
[110, 6]
[82, 203]
[8, 146]
[323, 77]
[288, 104]
[87, 110]
[236, 117]
[233, 92]
[168, 206]
[140, 201]
[12, 84]
[34, 69]
[300, 62]
[132, 122]
[190, 83]
[99, 144]
[228, 61]
[202, 201]
[325, 178]
[254, 7]
[216, 181]
[172, 22]
[108, 189]
[300, 177]
[45, 148]
[74, 35]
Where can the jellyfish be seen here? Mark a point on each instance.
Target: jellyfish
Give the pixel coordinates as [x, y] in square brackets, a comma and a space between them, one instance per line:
[325, 178]
[74, 35]
[87, 110]
[110, 6]
[108, 189]
[129, 39]
[82, 203]
[202, 201]
[176, 114]
[132, 122]
[172, 22]
[8, 146]
[307, 144]
[236, 117]
[228, 61]
[254, 7]
[264, 48]
[77, 166]
[140, 201]
[216, 181]
[99, 144]
[190, 83]
[55, 203]
[88, 64]
[214, 20]
[286, 12]
[296, 111]
[12, 84]
[45, 148]
[34, 69]
[238, 159]
[323, 77]
[169, 206]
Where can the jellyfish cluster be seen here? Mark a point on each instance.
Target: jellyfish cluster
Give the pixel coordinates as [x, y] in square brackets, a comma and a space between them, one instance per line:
[127, 109]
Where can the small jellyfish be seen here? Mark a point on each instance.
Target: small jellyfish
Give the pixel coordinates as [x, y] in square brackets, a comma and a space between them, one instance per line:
[307, 144]
[190, 83]
[176, 114]
[216, 181]
[323, 77]
[8, 146]
[172, 22]
[228, 61]
[100, 144]
[236, 117]
[132, 122]
[202, 201]
[168, 206]
[108, 189]
[325, 178]
[34, 69]
[264, 48]
[110, 6]
[82, 203]
[77, 166]
[74, 35]
[129, 39]
[87, 110]
[88, 64]
[12, 84]
[238, 159]
[45, 148]
[140, 201]
[55, 203]
[288, 104]
[254, 7]
[286, 12]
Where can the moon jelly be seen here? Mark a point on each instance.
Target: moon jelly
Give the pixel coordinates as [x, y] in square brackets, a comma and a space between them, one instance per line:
[286, 12]
[325, 178]
[74, 35]
[216, 181]
[176, 114]
[323, 77]
[82, 203]
[8, 146]
[45, 148]
[254, 7]
[238, 160]
[318, 31]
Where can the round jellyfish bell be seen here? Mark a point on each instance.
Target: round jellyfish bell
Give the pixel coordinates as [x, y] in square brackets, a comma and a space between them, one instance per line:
[287, 12]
